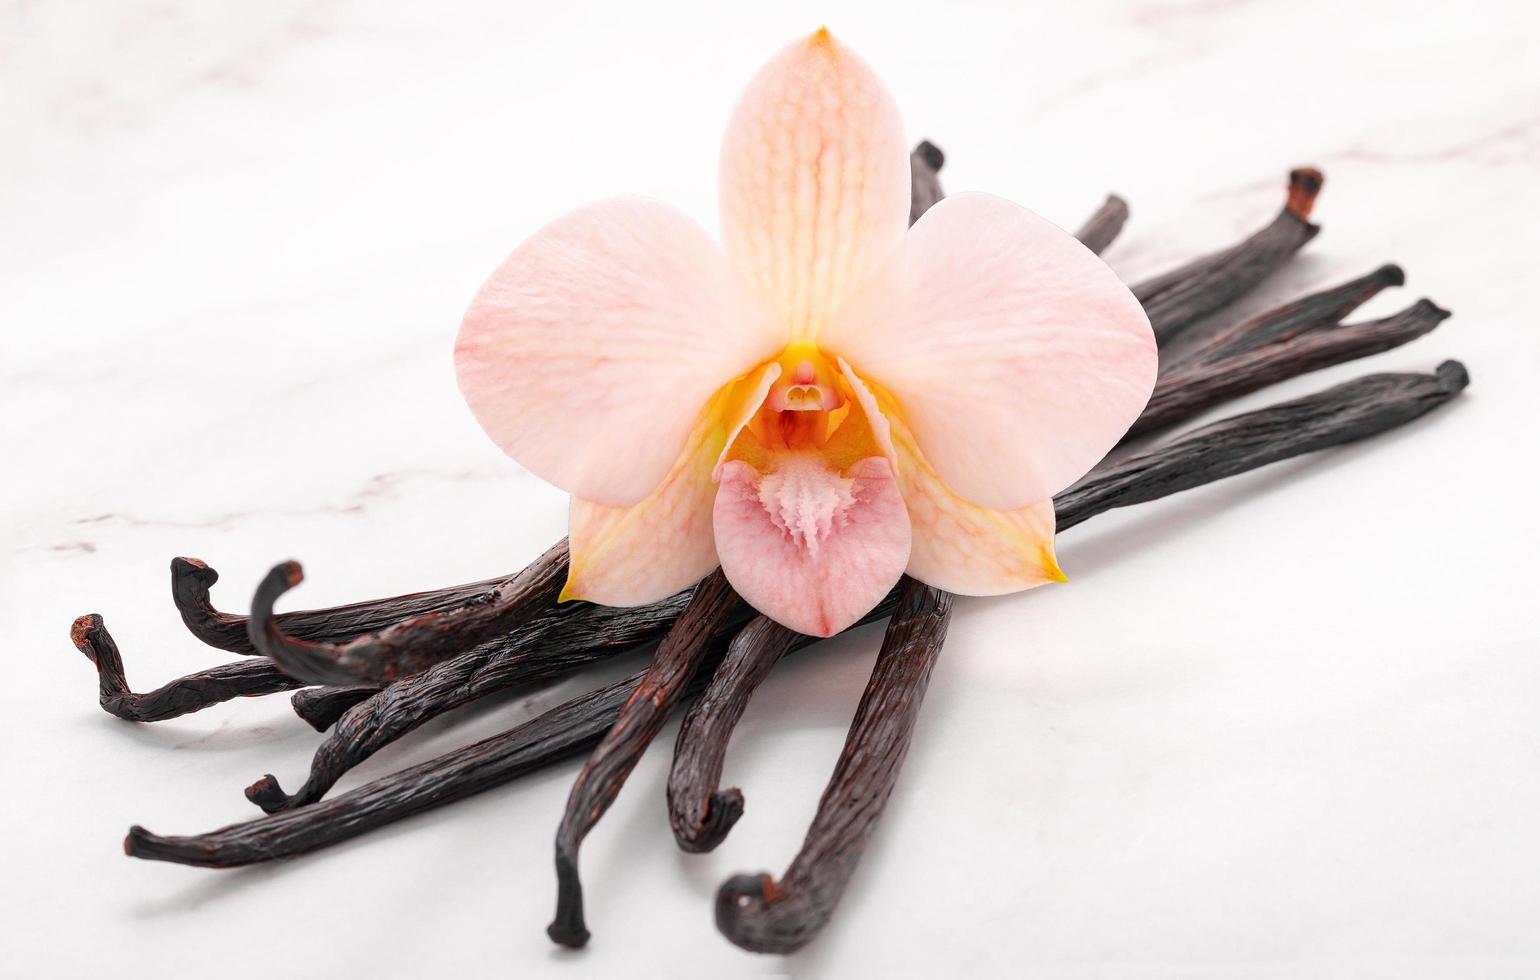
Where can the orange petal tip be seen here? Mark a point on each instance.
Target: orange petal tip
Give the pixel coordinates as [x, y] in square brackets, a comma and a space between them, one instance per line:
[1051, 566]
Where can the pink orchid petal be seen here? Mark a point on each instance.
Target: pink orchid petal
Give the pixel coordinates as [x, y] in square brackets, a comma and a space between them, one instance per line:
[878, 423]
[590, 351]
[631, 556]
[812, 549]
[1014, 354]
[967, 549]
[814, 181]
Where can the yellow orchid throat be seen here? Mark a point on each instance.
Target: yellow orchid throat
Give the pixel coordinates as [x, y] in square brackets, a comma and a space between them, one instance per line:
[846, 401]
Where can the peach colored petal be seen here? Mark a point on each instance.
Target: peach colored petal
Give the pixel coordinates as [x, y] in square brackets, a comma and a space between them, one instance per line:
[814, 181]
[964, 548]
[810, 547]
[630, 556]
[875, 419]
[589, 352]
[1013, 353]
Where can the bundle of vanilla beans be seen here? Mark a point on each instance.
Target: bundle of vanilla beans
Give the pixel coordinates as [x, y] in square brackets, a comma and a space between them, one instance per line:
[373, 671]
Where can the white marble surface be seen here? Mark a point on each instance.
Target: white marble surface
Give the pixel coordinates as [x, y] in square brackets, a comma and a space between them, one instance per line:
[1281, 727]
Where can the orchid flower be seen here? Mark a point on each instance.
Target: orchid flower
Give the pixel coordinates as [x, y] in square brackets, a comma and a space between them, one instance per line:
[823, 402]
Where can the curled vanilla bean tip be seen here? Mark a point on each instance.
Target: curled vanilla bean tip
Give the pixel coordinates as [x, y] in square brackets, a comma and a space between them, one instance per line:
[191, 581]
[723, 808]
[140, 843]
[931, 154]
[699, 813]
[134, 839]
[267, 794]
[765, 915]
[568, 928]
[1452, 376]
[1103, 227]
[410, 645]
[194, 692]
[713, 608]
[741, 897]
[321, 707]
[1304, 186]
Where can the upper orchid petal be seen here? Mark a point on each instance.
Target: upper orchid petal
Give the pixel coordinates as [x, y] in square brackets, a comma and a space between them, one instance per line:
[589, 353]
[631, 556]
[814, 183]
[1014, 354]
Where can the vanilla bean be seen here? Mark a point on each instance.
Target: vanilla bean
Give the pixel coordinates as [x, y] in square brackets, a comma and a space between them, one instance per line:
[537, 653]
[1235, 371]
[322, 707]
[699, 813]
[1178, 299]
[559, 733]
[763, 915]
[1102, 227]
[924, 185]
[1311, 312]
[194, 692]
[191, 580]
[679, 656]
[1346, 413]
[413, 644]
[1342, 414]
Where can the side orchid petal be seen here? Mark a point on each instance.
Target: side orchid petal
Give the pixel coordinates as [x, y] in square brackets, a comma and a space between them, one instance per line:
[967, 549]
[589, 352]
[814, 181]
[631, 556]
[811, 547]
[1013, 353]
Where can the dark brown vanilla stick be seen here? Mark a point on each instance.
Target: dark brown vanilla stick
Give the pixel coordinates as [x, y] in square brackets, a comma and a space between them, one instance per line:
[763, 915]
[244, 678]
[322, 707]
[540, 652]
[699, 813]
[557, 734]
[1346, 413]
[1349, 412]
[1102, 227]
[1310, 312]
[1178, 299]
[679, 656]
[410, 645]
[1191, 388]
[924, 184]
[192, 579]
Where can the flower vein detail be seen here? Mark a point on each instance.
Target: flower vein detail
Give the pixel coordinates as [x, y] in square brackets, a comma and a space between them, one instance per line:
[825, 401]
